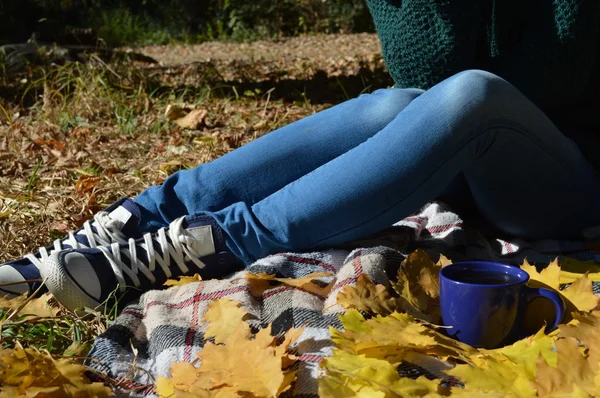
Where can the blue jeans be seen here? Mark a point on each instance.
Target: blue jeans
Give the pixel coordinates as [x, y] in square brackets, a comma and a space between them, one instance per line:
[358, 167]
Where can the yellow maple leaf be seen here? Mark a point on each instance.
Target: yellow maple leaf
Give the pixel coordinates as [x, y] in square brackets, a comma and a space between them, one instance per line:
[572, 269]
[580, 296]
[523, 354]
[241, 366]
[573, 373]
[351, 375]
[185, 382]
[577, 297]
[244, 364]
[493, 375]
[367, 296]
[183, 280]
[290, 337]
[419, 287]
[224, 316]
[29, 372]
[260, 282]
[549, 277]
[394, 336]
[586, 329]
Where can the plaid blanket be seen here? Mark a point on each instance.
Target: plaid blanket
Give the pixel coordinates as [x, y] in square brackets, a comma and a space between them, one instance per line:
[165, 325]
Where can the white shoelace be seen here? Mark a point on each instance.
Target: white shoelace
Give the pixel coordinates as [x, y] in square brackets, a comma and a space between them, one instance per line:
[107, 232]
[177, 251]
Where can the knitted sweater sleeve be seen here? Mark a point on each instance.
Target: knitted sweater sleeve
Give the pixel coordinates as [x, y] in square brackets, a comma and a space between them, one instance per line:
[426, 41]
[545, 48]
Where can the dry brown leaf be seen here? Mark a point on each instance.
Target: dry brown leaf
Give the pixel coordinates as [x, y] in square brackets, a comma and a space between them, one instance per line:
[183, 280]
[173, 112]
[29, 372]
[39, 306]
[367, 296]
[260, 282]
[419, 287]
[12, 303]
[443, 261]
[85, 184]
[193, 120]
[173, 165]
[224, 316]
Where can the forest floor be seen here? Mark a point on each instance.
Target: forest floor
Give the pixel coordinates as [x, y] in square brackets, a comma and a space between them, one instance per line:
[75, 138]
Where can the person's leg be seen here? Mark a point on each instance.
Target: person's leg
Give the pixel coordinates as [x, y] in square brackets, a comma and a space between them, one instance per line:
[527, 179]
[261, 167]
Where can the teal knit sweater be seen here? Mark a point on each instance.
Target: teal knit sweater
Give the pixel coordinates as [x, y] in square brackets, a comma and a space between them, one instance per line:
[549, 49]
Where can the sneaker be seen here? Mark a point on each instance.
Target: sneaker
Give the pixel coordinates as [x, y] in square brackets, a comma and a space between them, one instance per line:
[116, 224]
[120, 273]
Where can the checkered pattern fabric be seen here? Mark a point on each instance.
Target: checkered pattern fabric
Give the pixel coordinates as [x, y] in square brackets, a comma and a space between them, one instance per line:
[166, 326]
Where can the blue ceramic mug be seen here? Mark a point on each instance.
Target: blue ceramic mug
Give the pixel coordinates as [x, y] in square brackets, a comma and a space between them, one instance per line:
[483, 303]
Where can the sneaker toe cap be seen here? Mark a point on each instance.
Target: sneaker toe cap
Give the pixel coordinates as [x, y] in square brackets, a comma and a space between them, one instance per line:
[8, 276]
[81, 271]
[71, 278]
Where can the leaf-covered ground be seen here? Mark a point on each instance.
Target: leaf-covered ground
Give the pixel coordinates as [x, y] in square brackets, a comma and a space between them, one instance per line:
[73, 139]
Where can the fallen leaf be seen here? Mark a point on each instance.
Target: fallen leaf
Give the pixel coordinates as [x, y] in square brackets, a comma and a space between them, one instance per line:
[244, 364]
[260, 282]
[419, 287]
[224, 316]
[238, 366]
[85, 184]
[192, 120]
[549, 277]
[78, 349]
[351, 375]
[173, 165]
[183, 280]
[579, 295]
[173, 112]
[492, 376]
[29, 372]
[394, 336]
[39, 306]
[367, 296]
[586, 329]
[523, 354]
[572, 374]
[572, 269]
[443, 261]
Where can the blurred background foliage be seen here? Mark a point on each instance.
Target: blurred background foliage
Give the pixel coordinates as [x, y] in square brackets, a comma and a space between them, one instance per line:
[130, 22]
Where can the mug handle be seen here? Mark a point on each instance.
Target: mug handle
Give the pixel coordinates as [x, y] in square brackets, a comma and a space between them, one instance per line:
[536, 292]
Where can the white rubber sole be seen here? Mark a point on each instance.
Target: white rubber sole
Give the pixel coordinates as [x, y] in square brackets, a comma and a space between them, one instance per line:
[62, 287]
